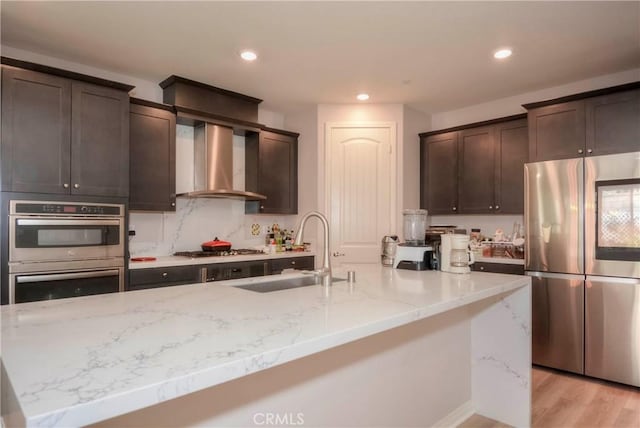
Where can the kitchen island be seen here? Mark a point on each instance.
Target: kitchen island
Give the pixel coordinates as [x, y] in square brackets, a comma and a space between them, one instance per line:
[396, 348]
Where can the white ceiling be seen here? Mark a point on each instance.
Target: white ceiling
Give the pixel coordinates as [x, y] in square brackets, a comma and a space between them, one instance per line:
[434, 56]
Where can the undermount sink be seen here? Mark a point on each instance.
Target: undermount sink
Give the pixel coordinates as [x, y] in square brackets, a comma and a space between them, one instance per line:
[283, 284]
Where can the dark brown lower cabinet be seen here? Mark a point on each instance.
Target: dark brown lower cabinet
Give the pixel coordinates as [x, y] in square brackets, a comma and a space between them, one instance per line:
[299, 263]
[140, 279]
[152, 169]
[498, 268]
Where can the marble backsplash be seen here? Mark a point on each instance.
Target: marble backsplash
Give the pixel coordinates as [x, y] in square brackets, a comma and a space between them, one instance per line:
[196, 221]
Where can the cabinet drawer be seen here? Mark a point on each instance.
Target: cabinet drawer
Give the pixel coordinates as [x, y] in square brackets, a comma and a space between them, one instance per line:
[498, 268]
[300, 263]
[162, 277]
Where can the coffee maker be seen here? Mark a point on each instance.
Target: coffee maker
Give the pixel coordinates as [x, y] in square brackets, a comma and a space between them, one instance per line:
[413, 253]
[455, 254]
[433, 238]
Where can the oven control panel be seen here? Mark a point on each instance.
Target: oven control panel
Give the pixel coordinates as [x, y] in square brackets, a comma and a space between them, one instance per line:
[65, 208]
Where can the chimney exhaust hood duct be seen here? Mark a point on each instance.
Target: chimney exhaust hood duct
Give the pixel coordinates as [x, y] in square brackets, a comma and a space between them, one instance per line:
[213, 165]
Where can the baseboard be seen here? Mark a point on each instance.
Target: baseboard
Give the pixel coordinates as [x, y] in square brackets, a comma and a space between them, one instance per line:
[456, 417]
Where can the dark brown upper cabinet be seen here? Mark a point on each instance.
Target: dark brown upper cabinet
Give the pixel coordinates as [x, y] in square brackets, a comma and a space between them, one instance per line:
[99, 140]
[439, 173]
[613, 123]
[271, 162]
[601, 122]
[476, 185]
[152, 169]
[512, 152]
[61, 135]
[36, 132]
[556, 131]
[475, 169]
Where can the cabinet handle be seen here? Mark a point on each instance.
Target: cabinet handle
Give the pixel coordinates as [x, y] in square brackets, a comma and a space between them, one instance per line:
[173, 204]
[490, 207]
[580, 151]
[454, 208]
[164, 274]
[589, 151]
[293, 262]
[481, 267]
[497, 207]
[261, 207]
[65, 185]
[76, 186]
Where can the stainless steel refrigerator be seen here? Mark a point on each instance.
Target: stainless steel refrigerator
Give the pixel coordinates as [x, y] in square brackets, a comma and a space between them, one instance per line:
[582, 222]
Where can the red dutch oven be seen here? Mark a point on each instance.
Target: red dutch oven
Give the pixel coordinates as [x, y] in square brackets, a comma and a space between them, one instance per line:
[216, 245]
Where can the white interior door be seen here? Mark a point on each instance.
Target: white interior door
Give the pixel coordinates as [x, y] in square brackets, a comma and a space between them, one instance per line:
[360, 176]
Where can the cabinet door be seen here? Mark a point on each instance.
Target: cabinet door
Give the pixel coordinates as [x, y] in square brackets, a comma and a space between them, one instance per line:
[512, 152]
[557, 131]
[476, 174]
[140, 279]
[613, 123]
[439, 172]
[152, 169]
[36, 129]
[99, 141]
[278, 173]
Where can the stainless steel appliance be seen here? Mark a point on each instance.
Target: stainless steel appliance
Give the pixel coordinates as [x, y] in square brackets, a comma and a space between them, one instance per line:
[388, 250]
[414, 254]
[64, 249]
[582, 222]
[433, 238]
[456, 256]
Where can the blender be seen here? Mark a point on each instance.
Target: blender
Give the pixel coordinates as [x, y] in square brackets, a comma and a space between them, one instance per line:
[413, 253]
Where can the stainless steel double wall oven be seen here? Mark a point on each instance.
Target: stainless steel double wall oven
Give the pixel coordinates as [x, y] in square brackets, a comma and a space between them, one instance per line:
[60, 249]
[582, 220]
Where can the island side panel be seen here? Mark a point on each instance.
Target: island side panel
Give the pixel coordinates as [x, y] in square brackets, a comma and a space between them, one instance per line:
[413, 375]
[501, 357]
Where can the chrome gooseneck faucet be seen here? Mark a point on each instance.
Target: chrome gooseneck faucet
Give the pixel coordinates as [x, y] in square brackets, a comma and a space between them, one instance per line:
[325, 271]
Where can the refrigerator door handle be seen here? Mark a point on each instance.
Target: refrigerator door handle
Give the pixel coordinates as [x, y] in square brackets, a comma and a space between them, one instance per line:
[614, 280]
[555, 275]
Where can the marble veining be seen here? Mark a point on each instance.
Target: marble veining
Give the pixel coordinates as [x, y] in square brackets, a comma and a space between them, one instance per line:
[77, 361]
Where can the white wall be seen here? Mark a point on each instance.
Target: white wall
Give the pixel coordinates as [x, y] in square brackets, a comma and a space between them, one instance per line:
[414, 122]
[513, 105]
[144, 89]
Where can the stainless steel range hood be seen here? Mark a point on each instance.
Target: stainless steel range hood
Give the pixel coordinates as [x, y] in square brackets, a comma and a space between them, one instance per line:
[213, 165]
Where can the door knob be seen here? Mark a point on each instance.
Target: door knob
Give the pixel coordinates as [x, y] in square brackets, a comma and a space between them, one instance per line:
[338, 254]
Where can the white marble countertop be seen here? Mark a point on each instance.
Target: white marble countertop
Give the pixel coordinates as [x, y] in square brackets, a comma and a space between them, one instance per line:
[73, 362]
[503, 260]
[168, 261]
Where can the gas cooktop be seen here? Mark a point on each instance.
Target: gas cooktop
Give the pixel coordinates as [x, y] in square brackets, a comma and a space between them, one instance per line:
[234, 252]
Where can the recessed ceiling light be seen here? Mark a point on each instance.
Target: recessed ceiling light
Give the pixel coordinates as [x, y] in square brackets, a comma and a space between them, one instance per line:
[248, 55]
[362, 97]
[502, 53]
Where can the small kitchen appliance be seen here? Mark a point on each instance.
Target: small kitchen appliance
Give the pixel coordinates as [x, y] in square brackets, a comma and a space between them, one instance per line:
[413, 253]
[455, 254]
[388, 251]
[433, 238]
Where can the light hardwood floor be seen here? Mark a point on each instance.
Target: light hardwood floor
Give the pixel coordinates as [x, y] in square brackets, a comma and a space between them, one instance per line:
[562, 400]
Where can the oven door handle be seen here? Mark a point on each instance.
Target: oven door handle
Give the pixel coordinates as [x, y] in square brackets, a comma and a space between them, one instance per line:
[63, 276]
[66, 222]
